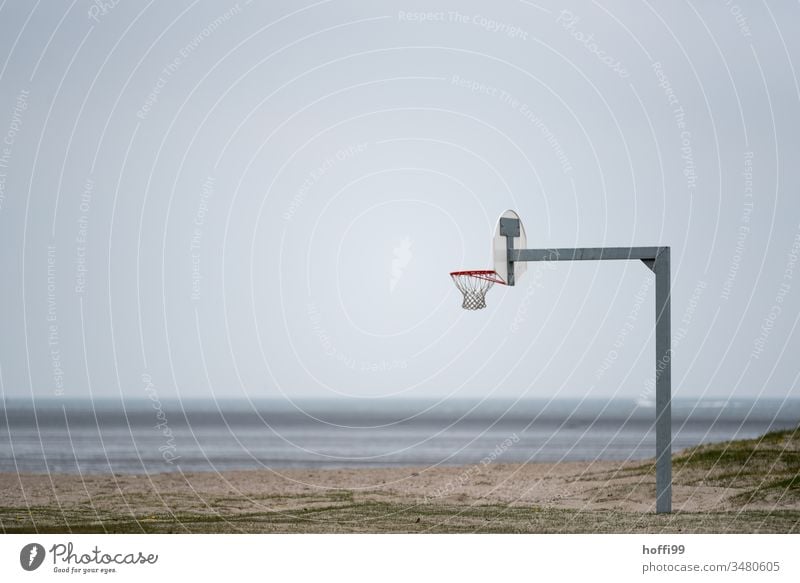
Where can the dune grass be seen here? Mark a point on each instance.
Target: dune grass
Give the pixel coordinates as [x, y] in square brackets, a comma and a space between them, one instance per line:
[768, 467]
[393, 517]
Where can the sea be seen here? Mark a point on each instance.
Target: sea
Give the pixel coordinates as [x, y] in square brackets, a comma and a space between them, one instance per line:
[145, 437]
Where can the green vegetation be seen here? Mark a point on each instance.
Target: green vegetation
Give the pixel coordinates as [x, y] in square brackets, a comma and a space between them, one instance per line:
[376, 516]
[767, 467]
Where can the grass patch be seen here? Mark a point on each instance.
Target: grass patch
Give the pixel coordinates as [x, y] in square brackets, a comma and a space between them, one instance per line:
[768, 467]
[372, 516]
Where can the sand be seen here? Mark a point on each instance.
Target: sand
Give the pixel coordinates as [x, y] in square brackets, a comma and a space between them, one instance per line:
[746, 486]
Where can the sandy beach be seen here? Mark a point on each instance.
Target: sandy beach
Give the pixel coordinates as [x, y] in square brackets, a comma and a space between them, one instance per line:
[742, 486]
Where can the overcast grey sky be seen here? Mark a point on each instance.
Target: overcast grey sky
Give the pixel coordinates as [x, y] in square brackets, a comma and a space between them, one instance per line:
[265, 199]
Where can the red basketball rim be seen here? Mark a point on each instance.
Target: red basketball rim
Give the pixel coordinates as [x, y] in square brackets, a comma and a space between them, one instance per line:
[487, 274]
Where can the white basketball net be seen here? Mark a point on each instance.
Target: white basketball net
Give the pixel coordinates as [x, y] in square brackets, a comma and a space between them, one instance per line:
[474, 285]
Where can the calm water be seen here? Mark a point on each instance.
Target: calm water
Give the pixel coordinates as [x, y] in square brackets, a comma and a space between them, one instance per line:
[110, 436]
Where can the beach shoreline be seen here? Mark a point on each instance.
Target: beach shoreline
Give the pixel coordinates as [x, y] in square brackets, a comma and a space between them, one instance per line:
[717, 488]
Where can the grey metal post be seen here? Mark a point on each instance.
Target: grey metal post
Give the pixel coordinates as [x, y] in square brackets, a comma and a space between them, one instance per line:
[663, 384]
[657, 259]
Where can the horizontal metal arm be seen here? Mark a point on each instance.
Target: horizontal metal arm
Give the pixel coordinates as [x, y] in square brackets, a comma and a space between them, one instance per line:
[584, 253]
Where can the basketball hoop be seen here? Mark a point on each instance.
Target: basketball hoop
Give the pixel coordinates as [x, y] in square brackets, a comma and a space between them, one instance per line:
[510, 255]
[474, 285]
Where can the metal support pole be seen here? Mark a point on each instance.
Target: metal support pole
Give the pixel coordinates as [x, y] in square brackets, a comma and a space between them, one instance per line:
[663, 384]
[657, 259]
